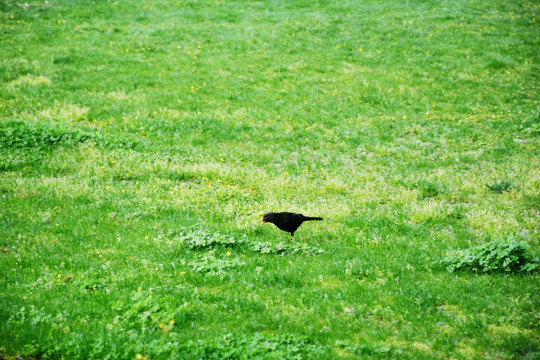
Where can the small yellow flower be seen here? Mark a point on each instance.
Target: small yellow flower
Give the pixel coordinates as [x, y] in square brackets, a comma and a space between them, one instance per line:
[138, 356]
[228, 253]
[161, 325]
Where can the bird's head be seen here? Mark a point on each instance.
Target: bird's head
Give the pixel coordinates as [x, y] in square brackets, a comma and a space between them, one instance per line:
[268, 217]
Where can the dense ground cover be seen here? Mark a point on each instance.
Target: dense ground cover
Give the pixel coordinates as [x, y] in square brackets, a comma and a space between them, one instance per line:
[142, 141]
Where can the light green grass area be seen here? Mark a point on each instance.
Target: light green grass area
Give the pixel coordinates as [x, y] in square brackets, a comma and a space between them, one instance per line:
[142, 141]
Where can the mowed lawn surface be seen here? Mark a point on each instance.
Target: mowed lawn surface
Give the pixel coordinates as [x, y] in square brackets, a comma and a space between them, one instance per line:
[142, 141]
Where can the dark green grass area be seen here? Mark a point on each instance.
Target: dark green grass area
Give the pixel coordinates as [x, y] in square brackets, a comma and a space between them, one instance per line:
[142, 141]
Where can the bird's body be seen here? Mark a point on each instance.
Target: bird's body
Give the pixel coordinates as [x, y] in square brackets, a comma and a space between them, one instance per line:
[287, 221]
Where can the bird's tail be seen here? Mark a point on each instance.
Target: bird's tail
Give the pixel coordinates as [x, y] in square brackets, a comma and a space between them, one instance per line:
[308, 218]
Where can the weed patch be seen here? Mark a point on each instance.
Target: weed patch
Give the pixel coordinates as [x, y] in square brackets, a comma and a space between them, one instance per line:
[285, 249]
[212, 265]
[256, 346]
[200, 239]
[499, 186]
[429, 189]
[502, 255]
[19, 135]
[369, 350]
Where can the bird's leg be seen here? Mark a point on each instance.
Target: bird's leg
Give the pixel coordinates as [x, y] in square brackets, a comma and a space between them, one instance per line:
[292, 236]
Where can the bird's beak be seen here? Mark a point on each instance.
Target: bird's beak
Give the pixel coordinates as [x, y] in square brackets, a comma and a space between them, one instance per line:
[263, 222]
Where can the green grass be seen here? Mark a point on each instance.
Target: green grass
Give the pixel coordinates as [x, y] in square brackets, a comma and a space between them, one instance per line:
[142, 141]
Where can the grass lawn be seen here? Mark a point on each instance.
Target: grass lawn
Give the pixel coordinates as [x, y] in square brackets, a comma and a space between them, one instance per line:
[142, 141]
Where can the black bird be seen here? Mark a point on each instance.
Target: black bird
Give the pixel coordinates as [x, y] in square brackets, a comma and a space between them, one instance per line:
[287, 221]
